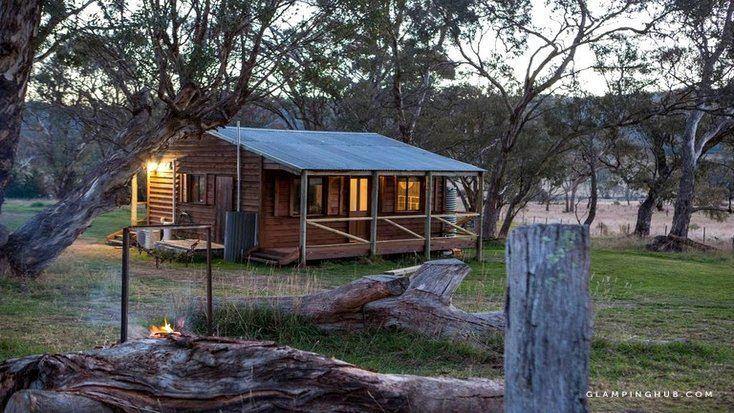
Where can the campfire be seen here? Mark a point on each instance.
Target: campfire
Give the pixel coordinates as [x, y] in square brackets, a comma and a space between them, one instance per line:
[162, 331]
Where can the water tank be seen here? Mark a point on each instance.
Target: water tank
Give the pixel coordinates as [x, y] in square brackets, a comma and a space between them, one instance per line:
[449, 202]
[240, 234]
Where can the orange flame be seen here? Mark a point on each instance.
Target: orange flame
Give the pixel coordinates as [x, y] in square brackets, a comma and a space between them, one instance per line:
[161, 331]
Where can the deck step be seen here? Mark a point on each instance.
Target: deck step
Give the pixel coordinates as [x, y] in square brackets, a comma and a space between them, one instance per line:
[262, 260]
[280, 256]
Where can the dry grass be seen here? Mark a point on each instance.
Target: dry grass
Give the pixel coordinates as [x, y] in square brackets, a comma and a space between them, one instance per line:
[638, 297]
[613, 220]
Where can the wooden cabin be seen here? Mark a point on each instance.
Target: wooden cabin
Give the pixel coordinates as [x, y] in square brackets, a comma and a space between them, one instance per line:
[317, 195]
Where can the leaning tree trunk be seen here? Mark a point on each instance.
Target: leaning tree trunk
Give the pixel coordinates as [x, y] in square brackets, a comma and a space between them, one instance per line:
[644, 215]
[510, 215]
[593, 201]
[19, 20]
[421, 304]
[225, 375]
[33, 246]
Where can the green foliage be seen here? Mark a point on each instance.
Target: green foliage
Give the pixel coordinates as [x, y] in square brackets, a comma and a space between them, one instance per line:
[26, 185]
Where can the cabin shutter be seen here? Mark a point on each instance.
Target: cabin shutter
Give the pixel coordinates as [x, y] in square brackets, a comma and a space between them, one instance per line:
[281, 196]
[387, 194]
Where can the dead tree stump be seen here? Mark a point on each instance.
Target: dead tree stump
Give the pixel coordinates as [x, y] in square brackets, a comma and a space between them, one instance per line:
[548, 333]
[426, 306]
[222, 375]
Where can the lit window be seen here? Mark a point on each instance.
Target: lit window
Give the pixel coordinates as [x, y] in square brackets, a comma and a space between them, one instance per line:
[358, 192]
[408, 194]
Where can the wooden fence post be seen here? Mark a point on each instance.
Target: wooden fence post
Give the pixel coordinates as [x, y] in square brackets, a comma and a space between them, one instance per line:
[548, 331]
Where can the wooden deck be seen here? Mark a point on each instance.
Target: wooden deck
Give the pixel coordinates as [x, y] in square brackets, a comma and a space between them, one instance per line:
[322, 252]
[197, 246]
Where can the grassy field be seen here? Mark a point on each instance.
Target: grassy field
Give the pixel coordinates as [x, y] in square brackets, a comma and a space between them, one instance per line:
[662, 322]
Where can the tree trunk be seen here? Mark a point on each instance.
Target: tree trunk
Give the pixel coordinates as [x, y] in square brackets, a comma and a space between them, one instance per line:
[493, 201]
[19, 20]
[224, 375]
[421, 304]
[686, 190]
[593, 199]
[32, 247]
[644, 215]
[507, 223]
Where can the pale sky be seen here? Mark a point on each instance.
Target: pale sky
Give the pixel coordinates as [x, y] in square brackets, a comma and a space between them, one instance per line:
[590, 81]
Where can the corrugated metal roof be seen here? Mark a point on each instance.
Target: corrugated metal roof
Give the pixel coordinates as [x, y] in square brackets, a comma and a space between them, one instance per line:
[340, 151]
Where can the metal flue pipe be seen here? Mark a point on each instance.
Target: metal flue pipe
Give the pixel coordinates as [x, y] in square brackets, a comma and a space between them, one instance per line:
[239, 171]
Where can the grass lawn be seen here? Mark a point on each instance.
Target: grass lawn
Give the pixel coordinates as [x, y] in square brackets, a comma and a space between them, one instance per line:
[662, 321]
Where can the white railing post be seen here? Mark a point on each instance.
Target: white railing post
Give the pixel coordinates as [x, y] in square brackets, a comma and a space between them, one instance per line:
[303, 211]
[374, 207]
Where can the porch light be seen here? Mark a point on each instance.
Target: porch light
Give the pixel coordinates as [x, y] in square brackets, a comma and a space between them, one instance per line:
[159, 167]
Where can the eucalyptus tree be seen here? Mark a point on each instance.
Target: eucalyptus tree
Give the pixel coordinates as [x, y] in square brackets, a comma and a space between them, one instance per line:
[461, 120]
[457, 122]
[506, 35]
[29, 31]
[178, 69]
[376, 70]
[696, 54]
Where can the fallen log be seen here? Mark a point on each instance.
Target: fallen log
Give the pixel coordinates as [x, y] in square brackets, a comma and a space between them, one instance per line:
[426, 306]
[188, 373]
[420, 304]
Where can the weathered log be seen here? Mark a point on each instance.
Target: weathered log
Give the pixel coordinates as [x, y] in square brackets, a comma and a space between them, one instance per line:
[222, 375]
[422, 304]
[548, 336]
[44, 401]
[426, 306]
[336, 309]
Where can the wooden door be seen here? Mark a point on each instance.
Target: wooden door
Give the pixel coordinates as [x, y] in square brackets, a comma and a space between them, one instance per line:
[358, 206]
[223, 202]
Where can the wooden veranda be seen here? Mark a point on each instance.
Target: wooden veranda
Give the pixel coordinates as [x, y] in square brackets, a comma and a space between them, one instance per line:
[373, 246]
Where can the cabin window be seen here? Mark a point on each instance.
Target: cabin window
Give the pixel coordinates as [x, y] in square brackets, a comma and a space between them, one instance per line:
[316, 196]
[194, 188]
[358, 193]
[408, 193]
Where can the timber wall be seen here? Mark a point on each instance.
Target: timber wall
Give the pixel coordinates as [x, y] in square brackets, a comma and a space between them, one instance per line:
[210, 156]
